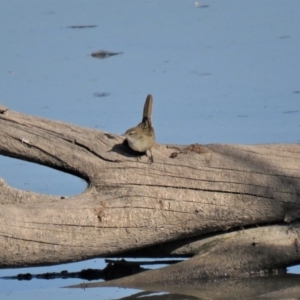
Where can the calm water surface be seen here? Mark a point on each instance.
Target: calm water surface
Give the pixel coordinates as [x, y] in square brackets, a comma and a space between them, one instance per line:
[225, 73]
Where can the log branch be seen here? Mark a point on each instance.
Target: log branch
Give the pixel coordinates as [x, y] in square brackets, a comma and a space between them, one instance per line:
[131, 206]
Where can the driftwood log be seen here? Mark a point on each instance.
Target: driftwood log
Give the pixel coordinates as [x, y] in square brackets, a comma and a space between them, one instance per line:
[232, 208]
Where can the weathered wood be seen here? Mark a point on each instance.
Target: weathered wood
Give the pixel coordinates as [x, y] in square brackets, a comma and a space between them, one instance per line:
[129, 204]
[256, 251]
[254, 287]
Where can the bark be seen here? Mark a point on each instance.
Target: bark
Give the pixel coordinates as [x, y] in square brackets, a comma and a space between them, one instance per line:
[189, 195]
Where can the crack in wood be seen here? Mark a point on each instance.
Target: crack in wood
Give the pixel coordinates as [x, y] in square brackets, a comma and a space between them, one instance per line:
[94, 153]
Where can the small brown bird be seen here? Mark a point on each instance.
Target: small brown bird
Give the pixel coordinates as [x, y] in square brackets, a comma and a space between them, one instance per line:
[141, 138]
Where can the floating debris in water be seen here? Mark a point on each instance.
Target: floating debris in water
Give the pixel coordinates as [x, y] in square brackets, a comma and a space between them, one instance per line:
[197, 4]
[101, 94]
[291, 111]
[284, 37]
[81, 26]
[104, 54]
[204, 74]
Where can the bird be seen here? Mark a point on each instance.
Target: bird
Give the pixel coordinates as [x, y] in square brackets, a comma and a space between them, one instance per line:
[142, 137]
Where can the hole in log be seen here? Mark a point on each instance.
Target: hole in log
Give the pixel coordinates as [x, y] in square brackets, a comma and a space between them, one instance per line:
[33, 177]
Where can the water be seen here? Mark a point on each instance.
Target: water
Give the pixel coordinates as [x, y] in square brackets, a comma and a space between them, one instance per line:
[227, 73]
